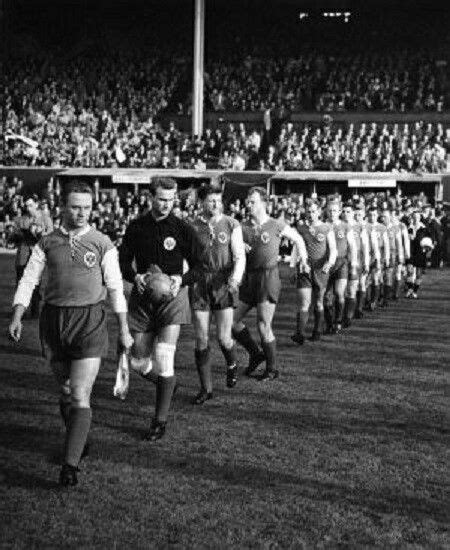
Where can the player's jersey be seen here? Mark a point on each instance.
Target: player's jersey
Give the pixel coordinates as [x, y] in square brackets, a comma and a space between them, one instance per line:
[215, 237]
[379, 230]
[392, 232]
[341, 230]
[358, 230]
[166, 243]
[315, 237]
[264, 241]
[74, 264]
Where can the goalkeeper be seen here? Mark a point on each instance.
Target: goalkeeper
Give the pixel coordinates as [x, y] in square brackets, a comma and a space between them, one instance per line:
[159, 239]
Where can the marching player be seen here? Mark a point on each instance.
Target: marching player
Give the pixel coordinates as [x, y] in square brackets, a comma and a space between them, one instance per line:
[216, 290]
[82, 266]
[406, 246]
[421, 247]
[312, 280]
[370, 254]
[337, 281]
[397, 257]
[379, 256]
[261, 284]
[356, 285]
[160, 239]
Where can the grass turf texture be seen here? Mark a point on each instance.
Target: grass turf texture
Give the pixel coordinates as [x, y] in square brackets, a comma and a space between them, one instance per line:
[349, 447]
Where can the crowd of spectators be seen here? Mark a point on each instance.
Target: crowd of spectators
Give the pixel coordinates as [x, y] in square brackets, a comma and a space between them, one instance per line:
[401, 82]
[85, 111]
[98, 103]
[419, 147]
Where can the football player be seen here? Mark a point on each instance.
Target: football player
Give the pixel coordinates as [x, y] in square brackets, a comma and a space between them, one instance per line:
[356, 285]
[82, 265]
[397, 257]
[261, 284]
[369, 253]
[421, 247]
[312, 280]
[347, 260]
[379, 256]
[159, 239]
[216, 290]
[406, 245]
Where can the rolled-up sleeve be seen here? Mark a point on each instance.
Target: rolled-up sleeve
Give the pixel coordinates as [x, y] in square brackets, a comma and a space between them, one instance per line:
[31, 277]
[113, 281]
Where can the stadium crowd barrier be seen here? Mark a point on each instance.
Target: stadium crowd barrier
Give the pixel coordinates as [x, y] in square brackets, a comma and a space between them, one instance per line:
[436, 186]
[252, 120]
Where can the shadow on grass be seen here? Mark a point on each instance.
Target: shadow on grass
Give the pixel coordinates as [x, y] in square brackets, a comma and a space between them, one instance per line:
[17, 350]
[27, 481]
[231, 473]
[155, 458]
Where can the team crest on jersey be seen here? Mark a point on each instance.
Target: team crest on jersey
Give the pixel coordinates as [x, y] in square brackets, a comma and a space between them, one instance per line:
[320, 237]
[340, 234]
[169, 243]
[222, 237]
[265, 237]
[89, 259]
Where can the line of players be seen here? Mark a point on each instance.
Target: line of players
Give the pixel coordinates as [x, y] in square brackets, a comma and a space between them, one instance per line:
[357, 260]
[232, 268]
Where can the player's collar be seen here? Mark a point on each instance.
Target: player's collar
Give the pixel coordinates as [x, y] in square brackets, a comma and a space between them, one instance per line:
[85, 230]
[254, 221]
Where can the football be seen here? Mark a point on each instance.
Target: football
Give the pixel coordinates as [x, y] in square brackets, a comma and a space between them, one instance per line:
[157, 288]
[426, 242]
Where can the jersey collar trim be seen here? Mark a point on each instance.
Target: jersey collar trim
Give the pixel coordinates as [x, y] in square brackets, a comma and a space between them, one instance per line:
[80, 234]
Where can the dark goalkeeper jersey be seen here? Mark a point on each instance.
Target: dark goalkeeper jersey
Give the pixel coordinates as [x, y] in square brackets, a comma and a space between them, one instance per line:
[165, 243]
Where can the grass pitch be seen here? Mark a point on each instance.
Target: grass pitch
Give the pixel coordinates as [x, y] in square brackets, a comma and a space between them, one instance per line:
[349, 448]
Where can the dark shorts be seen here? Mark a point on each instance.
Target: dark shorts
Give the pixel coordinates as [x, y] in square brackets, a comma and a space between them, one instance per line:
[339, 270]
[69, 333]
[211, 293]
[261, 285]
[315, 279]
[355, 274]
[144, 317]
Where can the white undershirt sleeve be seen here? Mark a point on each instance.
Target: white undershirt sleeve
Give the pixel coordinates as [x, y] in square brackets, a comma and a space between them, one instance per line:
[31, 277]
[113, 281]
[238, 251]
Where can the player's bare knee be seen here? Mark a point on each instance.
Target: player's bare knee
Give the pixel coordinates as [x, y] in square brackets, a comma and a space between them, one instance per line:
[142, 365]
[265, 330]
[225, 340]
[164, 359]
[201, 341]
[80, 396]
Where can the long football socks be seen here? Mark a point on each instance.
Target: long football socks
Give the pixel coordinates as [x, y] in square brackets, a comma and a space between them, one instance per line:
[164, 392]
[256, 356]
[339, 310]
[246, 340]
[65, 404]
[76, 436]
[350, 306]
[318, 322]
[360, 303]
[270, 351]
[203, 364]
[375, 296]
[230, 359]
[329, 317]
[301, 322]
